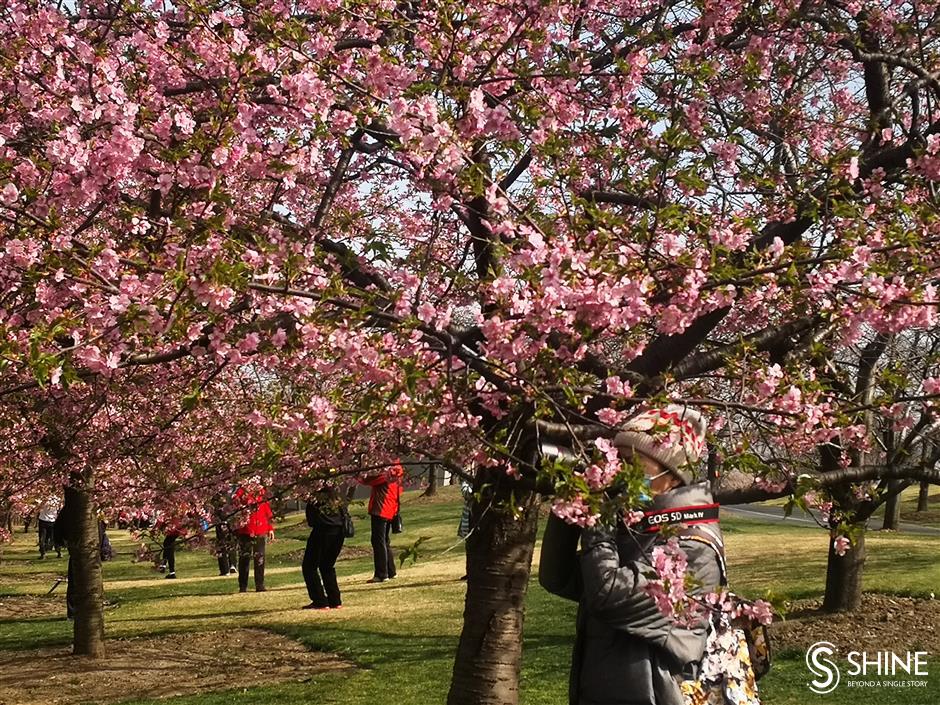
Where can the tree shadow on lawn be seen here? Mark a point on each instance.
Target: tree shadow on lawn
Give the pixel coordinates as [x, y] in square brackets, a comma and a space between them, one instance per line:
[397, 584]
[371, 648]
[42, 632]
[35, 633]
[194, 617]
[163, 591]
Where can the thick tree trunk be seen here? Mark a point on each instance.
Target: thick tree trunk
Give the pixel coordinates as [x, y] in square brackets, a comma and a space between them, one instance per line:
[922, 494]
[844, 576]
[432, 481]
[499, 560]
[892, 518]
[85, 557]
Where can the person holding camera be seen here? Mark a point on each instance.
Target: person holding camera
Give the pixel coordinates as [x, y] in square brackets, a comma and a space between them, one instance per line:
[627, 650]
[384, 505]
[326, 516]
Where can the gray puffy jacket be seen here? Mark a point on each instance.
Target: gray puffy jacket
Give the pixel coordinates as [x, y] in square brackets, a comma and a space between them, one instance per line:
[626, 651]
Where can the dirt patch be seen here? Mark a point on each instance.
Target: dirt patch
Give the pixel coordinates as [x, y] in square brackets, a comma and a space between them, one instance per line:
[159, 667]
[447, 494]
[931, 516]
[352, 552]
[45, 577]
[347, 554]
[30, 606]
[883, 622]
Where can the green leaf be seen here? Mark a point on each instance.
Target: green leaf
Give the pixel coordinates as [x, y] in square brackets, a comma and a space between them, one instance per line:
[413, 551]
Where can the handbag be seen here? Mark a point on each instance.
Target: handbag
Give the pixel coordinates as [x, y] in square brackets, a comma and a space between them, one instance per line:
[397, 526]
[737, 653]
[758, 645]
[752, 633]
[727, 674]
[349, 529]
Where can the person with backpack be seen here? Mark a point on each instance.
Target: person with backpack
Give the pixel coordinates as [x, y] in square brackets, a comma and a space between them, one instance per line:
[627, 651]
[327, 517]
[226, 545]
[104, 543]
[255, 529]
[384, 507]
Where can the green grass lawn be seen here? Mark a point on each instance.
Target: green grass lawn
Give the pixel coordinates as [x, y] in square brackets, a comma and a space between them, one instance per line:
[402, 635]
[909, 512]
[930, 517]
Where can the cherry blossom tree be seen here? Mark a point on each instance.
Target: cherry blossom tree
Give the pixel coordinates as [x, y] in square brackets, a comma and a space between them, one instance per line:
[140, 442]
[881, 392]
[471, 229]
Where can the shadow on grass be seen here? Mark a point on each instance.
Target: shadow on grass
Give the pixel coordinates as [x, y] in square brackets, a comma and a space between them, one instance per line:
[196, 617]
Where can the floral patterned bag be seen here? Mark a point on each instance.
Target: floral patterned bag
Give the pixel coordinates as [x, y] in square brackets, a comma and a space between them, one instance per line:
[737, 654]
[727, 676]
[758, 645]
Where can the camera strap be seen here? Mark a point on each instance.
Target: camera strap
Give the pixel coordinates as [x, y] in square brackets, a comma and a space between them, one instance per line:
[654, 520]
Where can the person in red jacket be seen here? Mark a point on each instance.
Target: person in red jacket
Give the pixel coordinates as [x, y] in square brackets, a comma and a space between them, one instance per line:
[257, 527]
[384, 503]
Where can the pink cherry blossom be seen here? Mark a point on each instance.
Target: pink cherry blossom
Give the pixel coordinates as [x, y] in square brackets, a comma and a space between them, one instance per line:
[840, 545]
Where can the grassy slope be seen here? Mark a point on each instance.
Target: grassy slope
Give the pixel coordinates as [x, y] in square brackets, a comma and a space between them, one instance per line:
[403, 634]
[909, 512]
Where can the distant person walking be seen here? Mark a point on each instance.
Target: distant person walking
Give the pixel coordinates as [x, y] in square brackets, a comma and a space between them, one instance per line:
[48, 511]
[326, 517]
[384, 505]
[253, 533]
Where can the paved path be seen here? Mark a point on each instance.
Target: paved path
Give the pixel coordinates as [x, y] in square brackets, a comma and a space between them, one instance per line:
[775, 514]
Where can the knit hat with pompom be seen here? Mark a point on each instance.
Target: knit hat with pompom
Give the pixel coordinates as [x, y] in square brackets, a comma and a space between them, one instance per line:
[673, 436]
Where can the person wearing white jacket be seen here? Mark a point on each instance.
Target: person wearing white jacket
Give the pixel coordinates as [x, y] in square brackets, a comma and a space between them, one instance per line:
[48, 511]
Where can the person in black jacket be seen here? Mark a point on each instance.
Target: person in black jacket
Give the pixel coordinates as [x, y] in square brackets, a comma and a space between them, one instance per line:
[326, 516]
